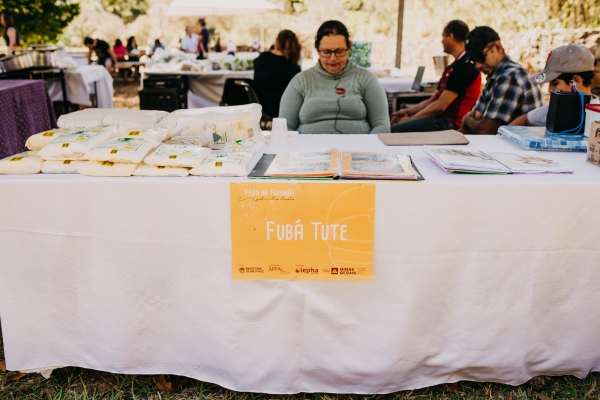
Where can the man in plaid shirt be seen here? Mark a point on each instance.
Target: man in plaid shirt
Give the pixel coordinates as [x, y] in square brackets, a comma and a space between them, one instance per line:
[508, 92]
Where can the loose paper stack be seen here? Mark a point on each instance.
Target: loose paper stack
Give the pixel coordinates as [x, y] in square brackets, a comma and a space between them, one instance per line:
[474, 161]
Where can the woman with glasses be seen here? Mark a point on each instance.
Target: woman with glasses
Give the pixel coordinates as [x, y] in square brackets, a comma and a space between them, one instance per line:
[274, 69]
[335, 96]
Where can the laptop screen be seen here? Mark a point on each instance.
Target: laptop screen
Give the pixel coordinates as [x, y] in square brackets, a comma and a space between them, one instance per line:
[418, 78]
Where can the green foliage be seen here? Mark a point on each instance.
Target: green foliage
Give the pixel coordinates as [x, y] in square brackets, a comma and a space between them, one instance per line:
[294, 6]
[127, 10]
[575, 13]
[40, 21]
[353, 5]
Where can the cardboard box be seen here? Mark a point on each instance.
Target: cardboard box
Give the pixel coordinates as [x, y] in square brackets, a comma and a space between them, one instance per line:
[593, 154]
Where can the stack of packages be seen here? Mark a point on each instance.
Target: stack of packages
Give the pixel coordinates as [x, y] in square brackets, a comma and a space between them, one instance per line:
[101, 142]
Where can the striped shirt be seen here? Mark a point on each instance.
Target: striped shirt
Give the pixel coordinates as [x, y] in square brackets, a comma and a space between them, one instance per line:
[508, 93]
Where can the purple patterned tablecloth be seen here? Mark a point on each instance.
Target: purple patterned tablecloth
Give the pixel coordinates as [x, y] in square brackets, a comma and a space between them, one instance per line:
[25, 109]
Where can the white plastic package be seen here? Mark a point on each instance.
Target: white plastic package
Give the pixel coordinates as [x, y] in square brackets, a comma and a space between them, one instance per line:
[247, 147]
[125, 150]
[173, 155]
[69, 158]
[39, 140]
[221, 165]
[23, 163]
[134, 119]
[62, 167]
[107, 168]
[226, 123]
[88, 118]
[148, 170]
[158, 134]
[77, 143]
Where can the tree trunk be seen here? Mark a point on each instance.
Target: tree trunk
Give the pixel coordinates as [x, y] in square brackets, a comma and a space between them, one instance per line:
[399, 34]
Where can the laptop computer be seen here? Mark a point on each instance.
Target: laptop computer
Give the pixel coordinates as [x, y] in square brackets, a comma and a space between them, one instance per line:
[416, 86]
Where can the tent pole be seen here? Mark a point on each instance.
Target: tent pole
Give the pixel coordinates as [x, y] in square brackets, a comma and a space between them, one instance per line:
[262, 32]
[399, 34]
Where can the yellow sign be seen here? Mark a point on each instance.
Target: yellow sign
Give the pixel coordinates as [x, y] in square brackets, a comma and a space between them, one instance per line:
[302, 231]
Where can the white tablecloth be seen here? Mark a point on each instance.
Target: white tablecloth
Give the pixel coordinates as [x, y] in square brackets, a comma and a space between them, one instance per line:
[80, 83]
[206, 85]
[476, 277]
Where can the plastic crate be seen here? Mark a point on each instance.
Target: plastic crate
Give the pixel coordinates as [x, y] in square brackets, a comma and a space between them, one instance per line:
[179, 82]
[162, 99]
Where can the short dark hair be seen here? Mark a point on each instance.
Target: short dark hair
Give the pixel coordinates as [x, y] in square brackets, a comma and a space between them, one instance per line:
[88, 40]
[118, 43]
[332, 28]
[202, 21]
[458, 28]
[587, 77]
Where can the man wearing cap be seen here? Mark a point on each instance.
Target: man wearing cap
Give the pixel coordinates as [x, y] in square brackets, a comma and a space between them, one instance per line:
[565, 64]
[508, 92]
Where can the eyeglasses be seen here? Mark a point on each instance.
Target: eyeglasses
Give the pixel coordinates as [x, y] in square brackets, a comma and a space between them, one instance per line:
[481, 58]
[327, 53]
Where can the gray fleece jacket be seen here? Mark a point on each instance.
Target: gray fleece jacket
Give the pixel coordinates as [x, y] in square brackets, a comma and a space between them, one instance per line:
[351, 101]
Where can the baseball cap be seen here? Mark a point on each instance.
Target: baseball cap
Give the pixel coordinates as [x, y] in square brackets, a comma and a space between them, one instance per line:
[478, 39]
[571, 58]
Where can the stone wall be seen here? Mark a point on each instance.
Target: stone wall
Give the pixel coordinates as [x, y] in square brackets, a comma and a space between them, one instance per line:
[530, 48]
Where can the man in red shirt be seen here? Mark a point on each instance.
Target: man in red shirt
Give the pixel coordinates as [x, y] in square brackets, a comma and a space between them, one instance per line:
[458, 90]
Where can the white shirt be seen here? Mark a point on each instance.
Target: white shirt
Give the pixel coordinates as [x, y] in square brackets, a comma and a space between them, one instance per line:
[538, 116]
[230, 46]
[190, 44]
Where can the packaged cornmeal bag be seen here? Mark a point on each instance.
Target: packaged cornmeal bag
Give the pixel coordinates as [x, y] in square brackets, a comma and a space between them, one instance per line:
[76, 143]
[173, 155]
[39, 140]
[123, 150]
[223, 165]
[22, 163]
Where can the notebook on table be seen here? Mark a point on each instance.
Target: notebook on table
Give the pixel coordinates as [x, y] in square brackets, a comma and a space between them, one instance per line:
[437, 138]
[537, 137]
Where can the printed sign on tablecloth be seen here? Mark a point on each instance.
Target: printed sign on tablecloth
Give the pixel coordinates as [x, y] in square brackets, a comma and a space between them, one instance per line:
[302, 231]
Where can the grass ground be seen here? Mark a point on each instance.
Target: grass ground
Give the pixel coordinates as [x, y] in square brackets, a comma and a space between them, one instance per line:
[126, 94]
[82, 384]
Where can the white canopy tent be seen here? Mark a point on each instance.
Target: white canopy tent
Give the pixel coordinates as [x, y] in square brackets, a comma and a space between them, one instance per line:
[179, 8]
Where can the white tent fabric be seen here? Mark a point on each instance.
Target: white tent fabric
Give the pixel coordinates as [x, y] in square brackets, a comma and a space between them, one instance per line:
[222, 7]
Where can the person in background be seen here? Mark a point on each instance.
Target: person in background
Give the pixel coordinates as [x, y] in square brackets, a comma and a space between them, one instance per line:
[10, 33]
[189, 42]
[565, 64]
[218, 48]
[230, 47]
[133, 54]
[106, 56]
[203, 40]
[335, 96]
[256, 44]
[273, 71]
[457, 92]
[119, 50]
[157, 45]
[508, 92]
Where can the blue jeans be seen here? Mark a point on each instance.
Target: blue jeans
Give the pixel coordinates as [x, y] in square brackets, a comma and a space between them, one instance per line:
[424, 125]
